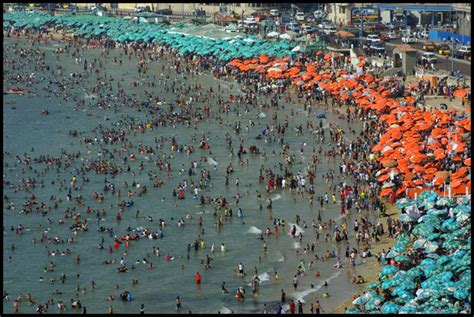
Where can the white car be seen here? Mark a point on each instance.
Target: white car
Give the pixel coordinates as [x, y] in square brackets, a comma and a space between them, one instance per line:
[392, 35]
[463, 51]
[408, 39]
[329, 30]
[299, 16]
[324, 25]
[373, 37]
[319, 14]
[429, 57]
[425, 34]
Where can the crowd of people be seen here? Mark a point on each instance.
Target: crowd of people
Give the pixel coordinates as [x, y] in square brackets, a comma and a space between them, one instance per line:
[350, 184]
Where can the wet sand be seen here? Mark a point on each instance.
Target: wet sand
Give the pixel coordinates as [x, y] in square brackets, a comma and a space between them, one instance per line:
[371, 268]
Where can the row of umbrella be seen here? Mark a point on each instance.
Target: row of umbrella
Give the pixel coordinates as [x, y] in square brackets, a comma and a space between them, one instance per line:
[121, 30]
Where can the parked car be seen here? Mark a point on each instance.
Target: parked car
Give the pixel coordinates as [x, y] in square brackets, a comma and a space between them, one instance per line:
[377, 47]
[464, 52]
[293, 27]
[142, 8]
[319, 14]
[324, 24]
[430, 46]
[379, 27]
[250, 19]
[329, 30]
[443, 49]
[305, 29]
[429, 57]
[408, 39]
[274, 12]
[384, 37]
[299, 16]
[425, 34]
[420, 33]
[392, 35]
[373, 38]
[285, 18]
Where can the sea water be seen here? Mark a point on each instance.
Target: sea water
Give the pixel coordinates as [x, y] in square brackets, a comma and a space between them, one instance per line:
[25, 128]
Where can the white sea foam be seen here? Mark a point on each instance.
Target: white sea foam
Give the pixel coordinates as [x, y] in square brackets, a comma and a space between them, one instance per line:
[276, 197]
[340, 217]
[225, 310]
[264, 277]
[299, 296]
[298, 229]
[210, 161]
[302, 294]
[254, 230]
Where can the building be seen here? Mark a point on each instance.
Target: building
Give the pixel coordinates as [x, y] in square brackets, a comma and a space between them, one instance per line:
[187, 9]
[463, 18]
[350, 13]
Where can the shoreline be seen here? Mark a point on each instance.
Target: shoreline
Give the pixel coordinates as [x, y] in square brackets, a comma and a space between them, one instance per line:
[368, 269]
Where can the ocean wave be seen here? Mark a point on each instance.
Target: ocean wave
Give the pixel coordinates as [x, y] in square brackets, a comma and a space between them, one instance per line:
[254, 230]
[298, 229]
[210, 161]
[299, 296]
[264, 277]
[225, 310]
[276, 197]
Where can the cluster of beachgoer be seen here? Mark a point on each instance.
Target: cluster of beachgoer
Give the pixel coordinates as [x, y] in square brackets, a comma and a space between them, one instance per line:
[350, 184]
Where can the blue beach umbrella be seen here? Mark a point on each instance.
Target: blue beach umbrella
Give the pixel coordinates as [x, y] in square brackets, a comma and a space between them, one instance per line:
[389, 269]
[405, 218]
[402, 258]
[390, 308]
[373, 285]
[353, 311]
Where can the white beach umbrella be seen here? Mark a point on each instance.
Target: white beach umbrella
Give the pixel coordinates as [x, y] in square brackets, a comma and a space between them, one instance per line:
[296, 49]
[273, 34]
